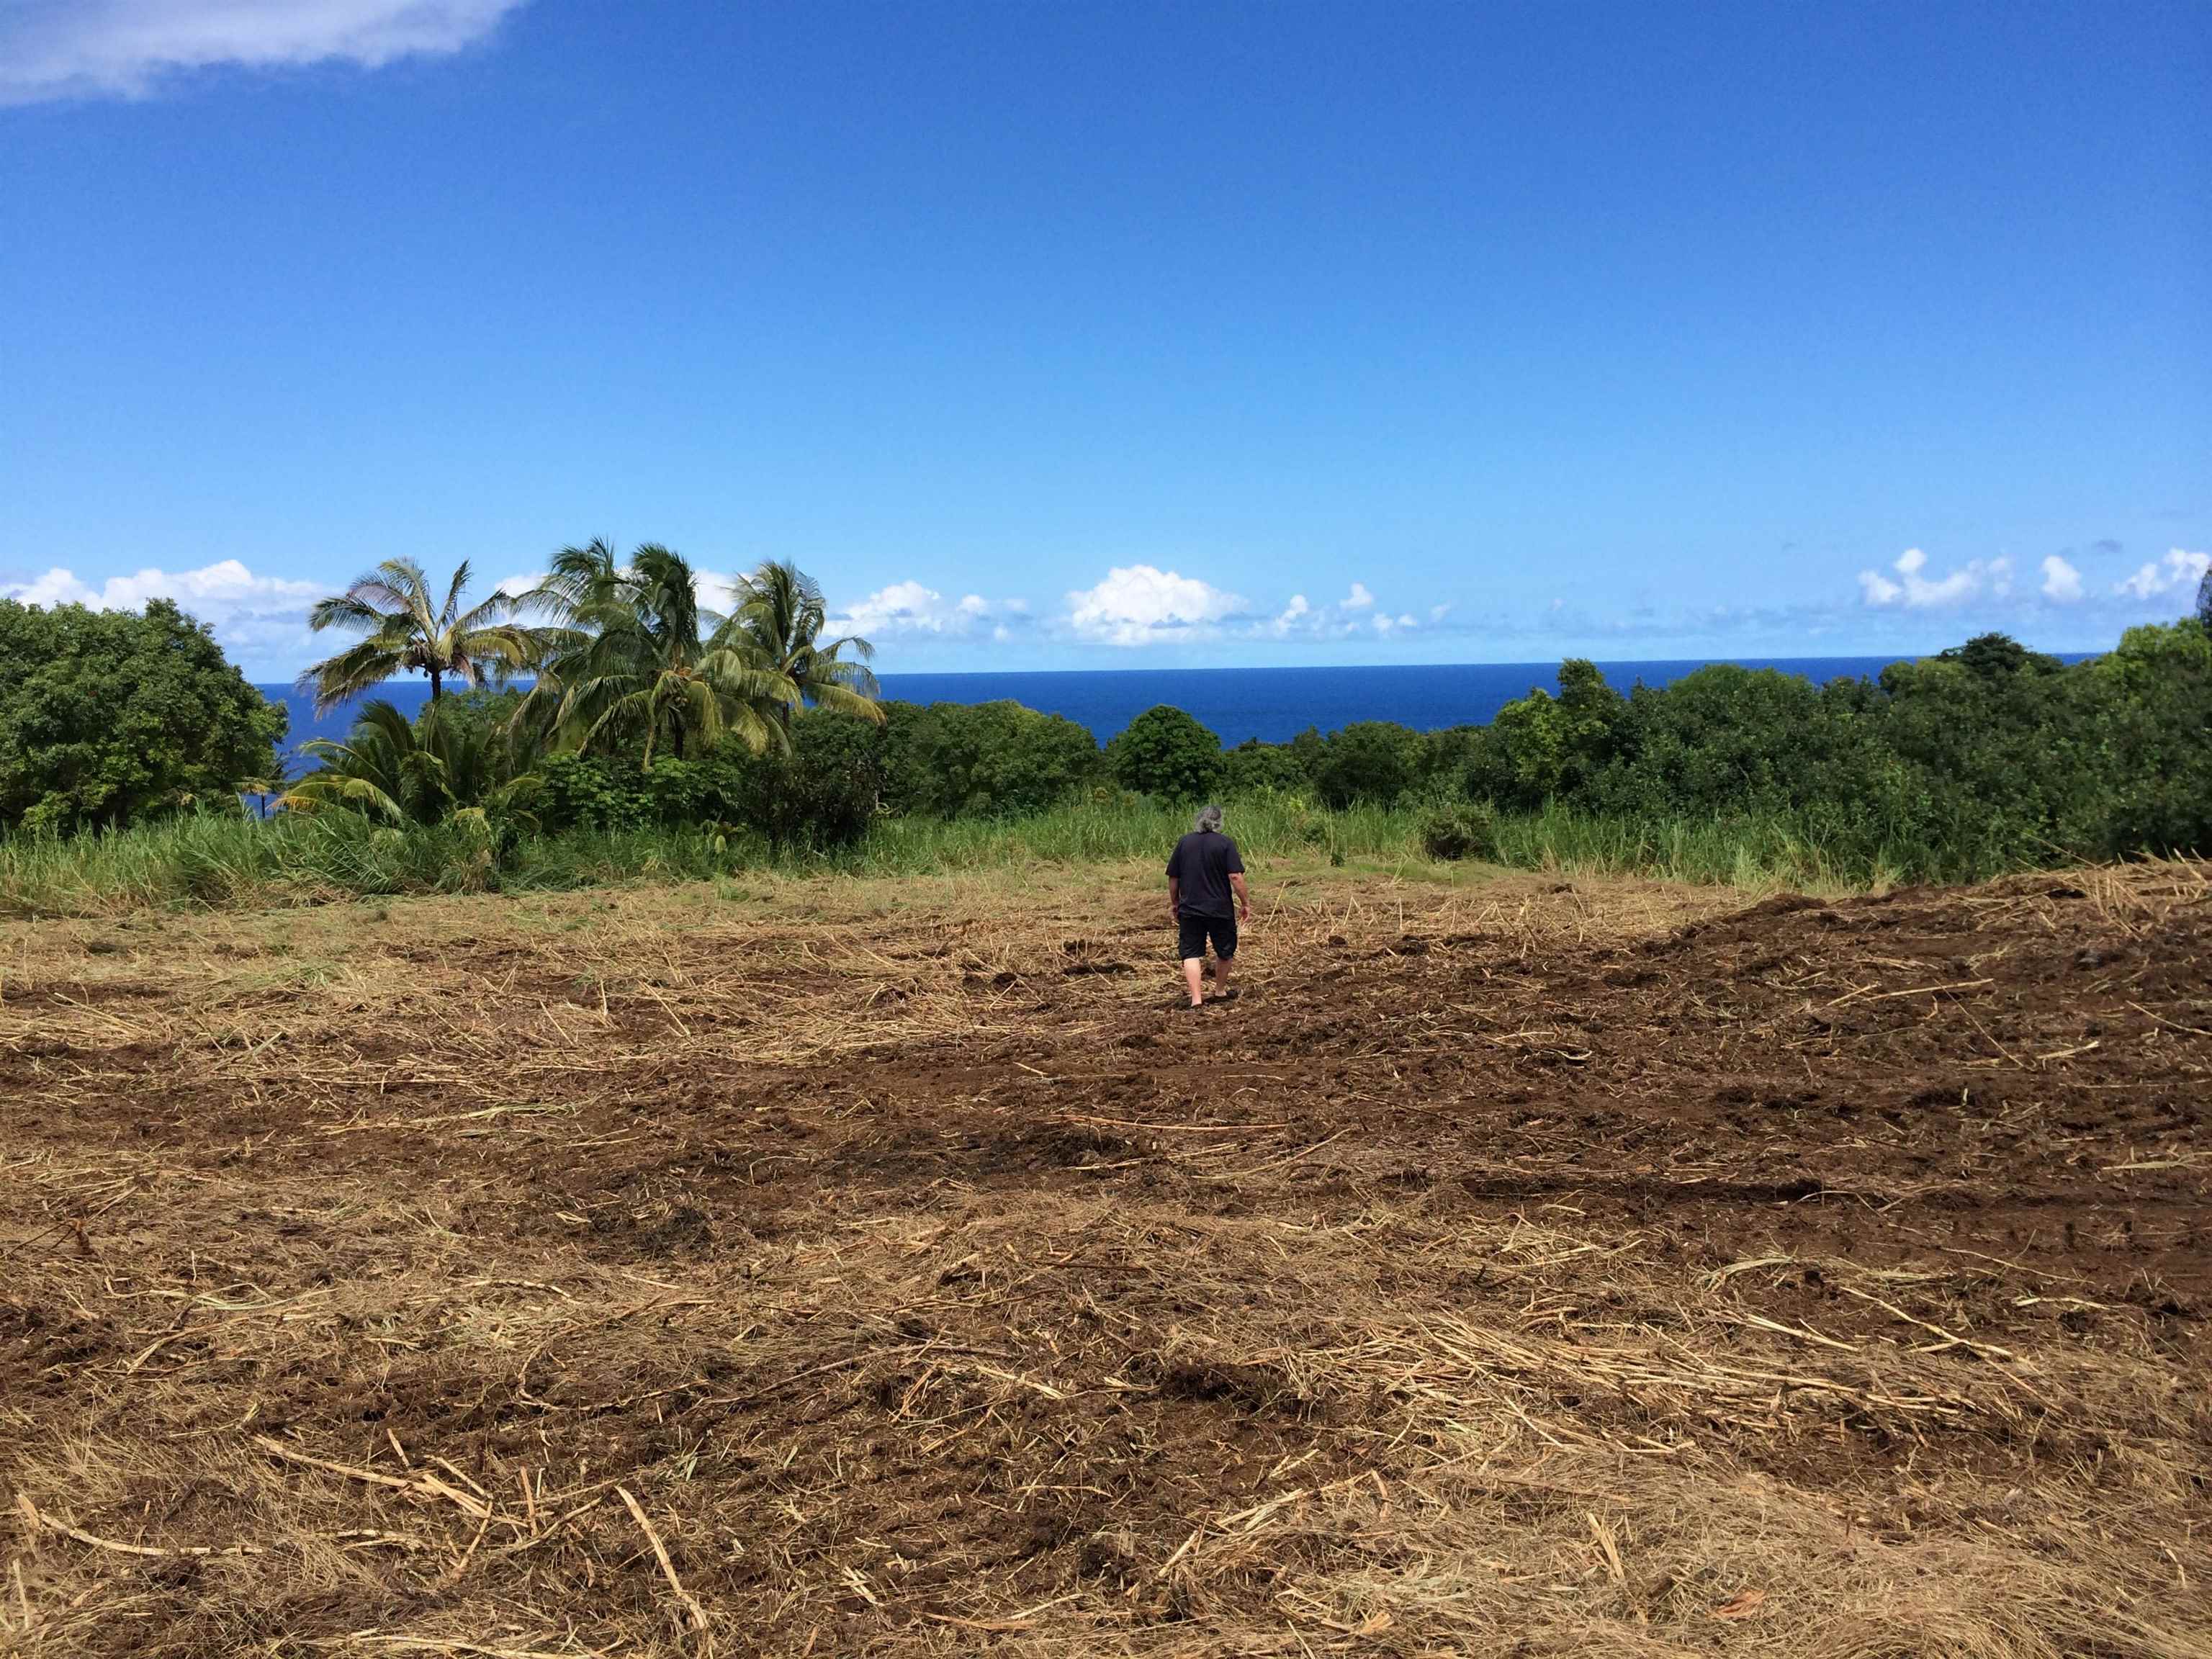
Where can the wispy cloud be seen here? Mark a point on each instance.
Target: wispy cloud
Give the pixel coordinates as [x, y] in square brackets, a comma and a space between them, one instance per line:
[908, 609]
[1357, 612]
[79, 48]
[1912, 589]
[1142, 604]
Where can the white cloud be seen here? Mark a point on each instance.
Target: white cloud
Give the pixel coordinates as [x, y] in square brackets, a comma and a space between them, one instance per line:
[1292, 615]
[2182, 570]
[1917, 592]
[224, 586]
[1141, 604]
[255, 618]
[2062, 582]
[1352, 614]
[903, 609]
[908, 608]
[69, 48]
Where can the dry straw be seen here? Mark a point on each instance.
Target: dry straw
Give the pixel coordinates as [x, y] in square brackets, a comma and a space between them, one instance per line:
[1520, 1268]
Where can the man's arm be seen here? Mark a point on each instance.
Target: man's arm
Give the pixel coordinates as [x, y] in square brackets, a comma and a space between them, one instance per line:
[1243, 898]
[1174, 900]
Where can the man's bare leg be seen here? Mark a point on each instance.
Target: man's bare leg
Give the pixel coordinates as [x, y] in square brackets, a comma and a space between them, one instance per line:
[1222, 967]
[1194, 977]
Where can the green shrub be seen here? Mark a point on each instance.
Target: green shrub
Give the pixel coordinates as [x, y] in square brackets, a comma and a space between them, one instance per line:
[587, 791]
[1466, 831]
[820, 793]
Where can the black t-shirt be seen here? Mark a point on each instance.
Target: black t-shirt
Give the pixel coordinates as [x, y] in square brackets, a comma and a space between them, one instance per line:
[1201, 865]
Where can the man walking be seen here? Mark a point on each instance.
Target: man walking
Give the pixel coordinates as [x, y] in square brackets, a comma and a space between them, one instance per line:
[1206, 898]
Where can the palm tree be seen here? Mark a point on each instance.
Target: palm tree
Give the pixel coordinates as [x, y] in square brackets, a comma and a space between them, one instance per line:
[630, 654]
[585, 588]
[778, 623]
[423, 771]
[406, 630]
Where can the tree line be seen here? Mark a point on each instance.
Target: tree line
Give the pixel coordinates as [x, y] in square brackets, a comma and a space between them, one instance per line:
[609, 697]
[1986, 758]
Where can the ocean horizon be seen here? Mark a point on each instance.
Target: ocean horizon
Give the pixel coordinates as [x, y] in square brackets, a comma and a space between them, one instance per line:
[1271, 704]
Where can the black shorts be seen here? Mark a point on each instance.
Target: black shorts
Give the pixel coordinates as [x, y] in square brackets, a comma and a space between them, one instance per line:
[1193, 931]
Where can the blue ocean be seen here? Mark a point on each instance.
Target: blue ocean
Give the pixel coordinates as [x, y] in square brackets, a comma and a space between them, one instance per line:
[1272, 704]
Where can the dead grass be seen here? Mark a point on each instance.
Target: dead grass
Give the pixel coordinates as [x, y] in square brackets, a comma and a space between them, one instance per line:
[857, 1267]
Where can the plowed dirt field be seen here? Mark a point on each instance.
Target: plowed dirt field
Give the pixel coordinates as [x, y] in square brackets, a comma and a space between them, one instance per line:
[1518, 1266]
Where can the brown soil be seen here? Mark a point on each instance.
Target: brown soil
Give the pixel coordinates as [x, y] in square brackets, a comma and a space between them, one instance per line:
[1523, 1268]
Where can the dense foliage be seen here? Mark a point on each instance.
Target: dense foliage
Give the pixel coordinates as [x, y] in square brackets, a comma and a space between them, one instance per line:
[993, 759]
[1987, 758]
[1165, 752]
[109, 717]
[651, 716]
[834, 776]
[451, 761]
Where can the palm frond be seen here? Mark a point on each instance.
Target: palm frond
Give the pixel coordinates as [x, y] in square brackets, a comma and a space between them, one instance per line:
[668, 597]
[380, 717]
[345, 610]
[854, 677]
[395, 586]
[451, 608]
[860, 648]
[738, 675]
[325, 790]
[492, 613]
[843, 700]
[350, 672]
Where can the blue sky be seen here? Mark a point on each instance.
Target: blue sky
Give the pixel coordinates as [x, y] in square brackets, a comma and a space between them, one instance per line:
[1072, 335]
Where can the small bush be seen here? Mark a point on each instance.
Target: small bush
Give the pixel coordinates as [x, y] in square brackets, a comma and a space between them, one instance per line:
[1459, 832]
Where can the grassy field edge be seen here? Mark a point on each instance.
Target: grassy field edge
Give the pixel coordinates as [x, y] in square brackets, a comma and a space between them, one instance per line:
[222, 861]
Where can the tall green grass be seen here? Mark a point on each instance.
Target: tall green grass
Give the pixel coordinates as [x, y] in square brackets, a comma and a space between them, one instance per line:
[1091, 832]
[230, 861]
[1760, 853]
[222, 861]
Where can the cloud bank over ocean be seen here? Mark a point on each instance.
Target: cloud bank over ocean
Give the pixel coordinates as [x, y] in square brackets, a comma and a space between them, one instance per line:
[1142, 608]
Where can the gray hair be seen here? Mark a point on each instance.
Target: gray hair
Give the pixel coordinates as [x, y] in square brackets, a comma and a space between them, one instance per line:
[1208, 821]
